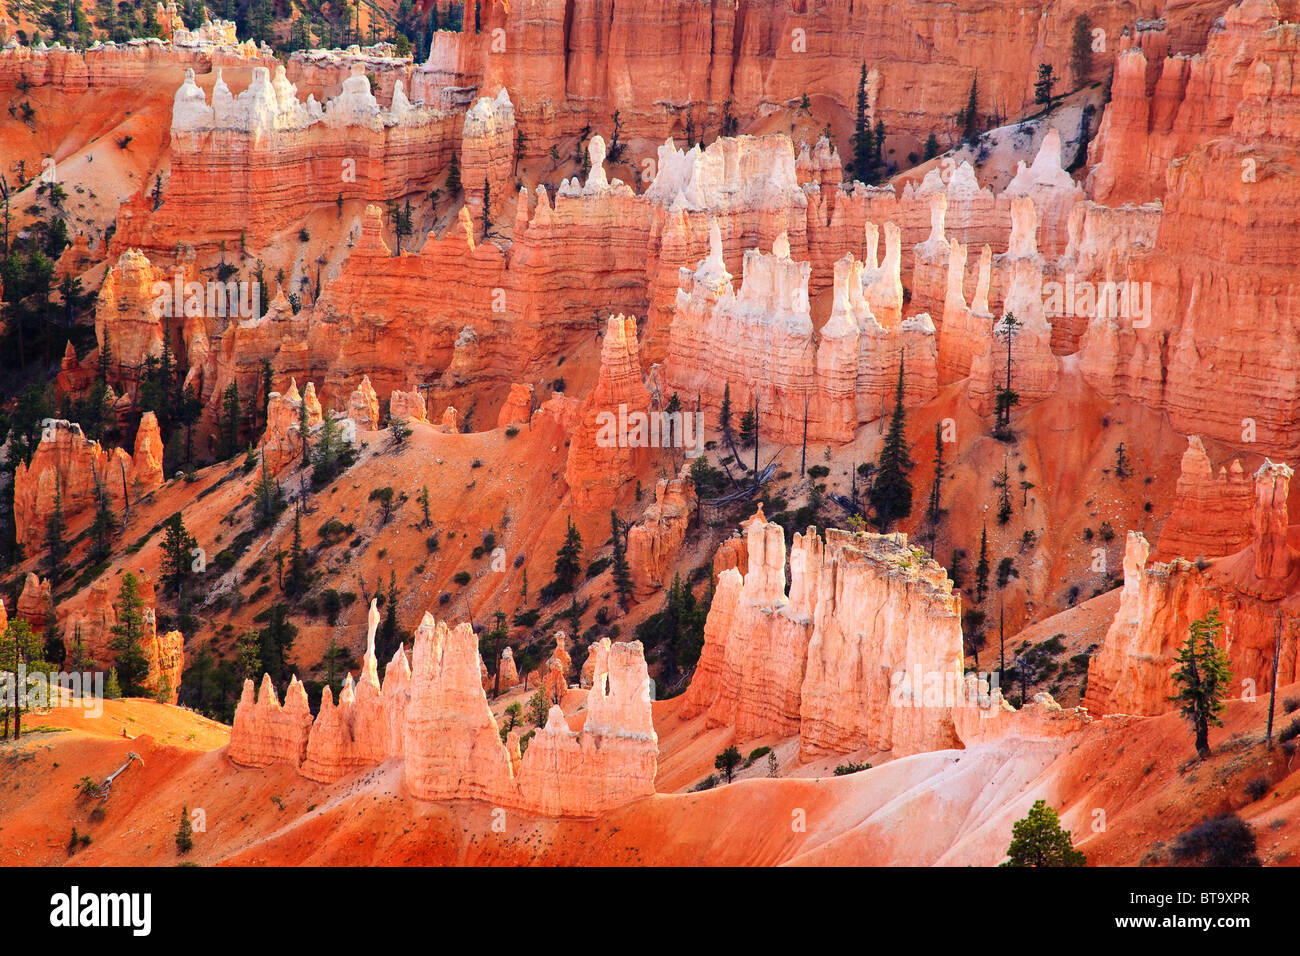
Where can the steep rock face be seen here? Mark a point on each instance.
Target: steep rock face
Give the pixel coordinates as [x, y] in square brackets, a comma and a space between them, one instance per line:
[264, 732]
[612, 760]
[281, 442]
[864, 651]
[487, 153]
[363, 405]
[1212, 510]
[518, 407]
[1132, 670]
[653, 542]
[434, 715]
[573, 63]
[761, 342]
[755, 640]
[93, 624]
[66, 464]
[35, 602]
[1219, 283]
[126, 315]
[885, 657]
[606, 452]
[271, 152]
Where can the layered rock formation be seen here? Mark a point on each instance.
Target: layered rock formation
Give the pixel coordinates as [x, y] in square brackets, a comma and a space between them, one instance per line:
[1252, 591]
[1220, 299]
[607, 450]
[435, 717]
[762, 344]
[1212, 511]
[864, 651]
[67, 466]
[281, 441]
[653, 542]
[278, 158]
[93, 622]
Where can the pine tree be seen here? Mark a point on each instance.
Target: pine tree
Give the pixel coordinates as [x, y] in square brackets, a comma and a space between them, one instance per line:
[748, 428]
[453, 175]
[1043, 85]
[295, 581]
[932, 148]
[1040, 840]
[1007, 398]
[185, 833]
[568, 560]
[982, 568]
[230, 417]
[1122, 466]
[268, 499]
[864, 147]
[891, 491]
[112, 687]
[386, 645]
[970, 115]
[132, 667]
[934, 510]
[56, 544]
[177, 557]
[332, 453]
[1002, 482]
[487, 208]
[1202, 677]
[622, 571]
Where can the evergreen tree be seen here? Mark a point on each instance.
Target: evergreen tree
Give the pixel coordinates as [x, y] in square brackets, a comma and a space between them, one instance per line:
[748, 428]
[1007, 398]
[332, 453]
[970, 116]
[132, 667]
[277, 639]
[728, 761]
[487, 208]
[1040, 840]
[112, 687]
[891, 491]
[1002, 482]
[230, 418]
[248, 656]
[453, 175]
[934, 510]
[177, 554]
[1122, 467]
[56, 544]
[1202, 676]
[982, 568]
[1044, 84]
[932, 148]
[185, 833]
[295, 581]
[864, 147]
[568, 560]
[268, 499]
[386, 645]
[622, 571]
[104, 525]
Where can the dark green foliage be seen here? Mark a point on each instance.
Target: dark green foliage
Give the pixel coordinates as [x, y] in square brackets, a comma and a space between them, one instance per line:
[891, 490]
[1040, 840]
[1202, 677]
